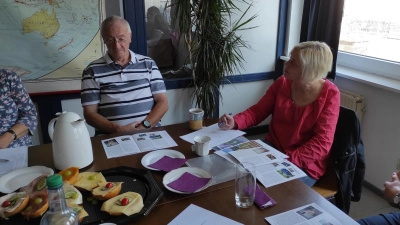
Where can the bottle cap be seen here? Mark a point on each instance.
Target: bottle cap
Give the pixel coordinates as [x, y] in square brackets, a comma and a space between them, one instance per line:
[54, 181]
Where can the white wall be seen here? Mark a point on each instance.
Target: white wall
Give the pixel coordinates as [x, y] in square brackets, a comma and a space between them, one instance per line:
[380, 129]
[238, 97]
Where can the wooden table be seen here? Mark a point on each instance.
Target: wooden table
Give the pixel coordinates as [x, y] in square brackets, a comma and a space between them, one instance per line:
[217, 198]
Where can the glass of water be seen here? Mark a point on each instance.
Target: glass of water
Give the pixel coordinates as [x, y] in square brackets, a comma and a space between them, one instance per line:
[245, 184]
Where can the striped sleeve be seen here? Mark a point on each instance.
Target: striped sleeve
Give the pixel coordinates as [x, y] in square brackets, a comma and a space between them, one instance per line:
[157, 84]
[90, 89]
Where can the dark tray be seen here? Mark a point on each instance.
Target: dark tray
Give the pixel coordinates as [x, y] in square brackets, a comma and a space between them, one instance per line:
[136, 180]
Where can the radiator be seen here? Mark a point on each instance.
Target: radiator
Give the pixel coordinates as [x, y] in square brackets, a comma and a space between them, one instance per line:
[352, 101]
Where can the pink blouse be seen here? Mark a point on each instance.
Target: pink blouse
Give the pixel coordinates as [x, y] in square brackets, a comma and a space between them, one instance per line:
[304, 133]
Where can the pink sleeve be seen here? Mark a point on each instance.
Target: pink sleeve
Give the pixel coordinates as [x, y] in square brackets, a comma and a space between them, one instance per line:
[318, 147]
[260, 111]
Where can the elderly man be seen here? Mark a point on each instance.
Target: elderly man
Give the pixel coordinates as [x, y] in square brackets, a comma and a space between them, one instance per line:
[122, 91]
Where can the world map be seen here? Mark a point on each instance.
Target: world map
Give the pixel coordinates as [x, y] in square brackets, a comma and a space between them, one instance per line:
[49, 40]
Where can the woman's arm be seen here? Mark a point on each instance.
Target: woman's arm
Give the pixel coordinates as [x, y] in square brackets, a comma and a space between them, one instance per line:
[8, 137]
[27, 116]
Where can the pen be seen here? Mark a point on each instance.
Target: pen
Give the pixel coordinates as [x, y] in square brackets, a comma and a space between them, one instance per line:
[220, 124]
[4, 160]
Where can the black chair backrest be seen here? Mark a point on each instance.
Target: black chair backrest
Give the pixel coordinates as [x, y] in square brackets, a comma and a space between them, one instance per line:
[347, 154]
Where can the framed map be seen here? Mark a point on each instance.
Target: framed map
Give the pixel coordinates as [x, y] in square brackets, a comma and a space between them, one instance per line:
[50, 42]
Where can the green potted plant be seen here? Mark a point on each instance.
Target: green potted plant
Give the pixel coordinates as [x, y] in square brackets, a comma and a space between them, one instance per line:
[214, 48]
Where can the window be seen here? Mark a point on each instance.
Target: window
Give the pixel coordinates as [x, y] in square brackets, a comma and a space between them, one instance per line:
[370, 37]
[162, 39]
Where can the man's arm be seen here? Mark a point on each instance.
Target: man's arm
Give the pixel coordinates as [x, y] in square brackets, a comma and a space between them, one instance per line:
[94, 119]
[158, 111]
[391, 189]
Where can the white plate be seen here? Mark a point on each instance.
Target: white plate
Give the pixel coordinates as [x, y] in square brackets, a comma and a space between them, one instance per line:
[15, 179]
[175, 174]
[154, 156]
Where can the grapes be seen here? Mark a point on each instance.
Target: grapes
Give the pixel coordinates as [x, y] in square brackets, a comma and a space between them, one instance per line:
[6, 203]
[92, 177]
[38, 201]
[109, 185]
[74, 195]
[29, 208]
[67, 173]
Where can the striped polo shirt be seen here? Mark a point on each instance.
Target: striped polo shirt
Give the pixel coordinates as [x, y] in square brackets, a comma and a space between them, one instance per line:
[123, 94]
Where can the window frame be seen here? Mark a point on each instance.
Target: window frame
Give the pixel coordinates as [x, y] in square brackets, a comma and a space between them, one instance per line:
[379, 67]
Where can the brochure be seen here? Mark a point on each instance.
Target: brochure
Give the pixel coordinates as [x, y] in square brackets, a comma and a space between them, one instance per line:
[254, 151]
[217, 135]
[278, 172]
[308, 214]
[141, 142]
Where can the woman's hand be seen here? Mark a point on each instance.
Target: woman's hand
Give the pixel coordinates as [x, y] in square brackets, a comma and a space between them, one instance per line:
[226, 122]
[6, 139]
[391, 189]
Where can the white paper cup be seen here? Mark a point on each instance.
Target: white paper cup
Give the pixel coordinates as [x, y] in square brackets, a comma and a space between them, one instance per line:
[245, 184]
[201, 145]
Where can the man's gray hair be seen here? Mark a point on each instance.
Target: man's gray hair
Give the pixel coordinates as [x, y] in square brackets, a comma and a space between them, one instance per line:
[109, 21]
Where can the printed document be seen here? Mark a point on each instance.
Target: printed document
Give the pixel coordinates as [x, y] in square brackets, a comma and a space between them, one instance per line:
[255, 151]
[17, 158]
[195, 215]
[278, 172]
[309, 214]
[142, 142]
[217, 135]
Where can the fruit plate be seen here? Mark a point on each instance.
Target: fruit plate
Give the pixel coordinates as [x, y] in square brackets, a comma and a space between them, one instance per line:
[136, 180]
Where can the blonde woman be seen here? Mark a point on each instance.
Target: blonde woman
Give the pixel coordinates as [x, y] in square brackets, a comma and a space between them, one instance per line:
[304, 108]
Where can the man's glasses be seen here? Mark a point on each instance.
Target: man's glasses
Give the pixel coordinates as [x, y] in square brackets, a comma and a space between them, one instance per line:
[112, 41]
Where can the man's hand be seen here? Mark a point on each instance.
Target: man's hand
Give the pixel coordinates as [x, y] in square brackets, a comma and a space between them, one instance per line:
[391, 189]
[132, 127]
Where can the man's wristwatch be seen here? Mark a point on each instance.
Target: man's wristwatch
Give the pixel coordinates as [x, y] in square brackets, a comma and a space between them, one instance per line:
[146, 123]
[396, 199]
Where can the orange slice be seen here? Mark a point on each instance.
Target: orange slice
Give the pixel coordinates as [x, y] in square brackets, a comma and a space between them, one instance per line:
[70, 174]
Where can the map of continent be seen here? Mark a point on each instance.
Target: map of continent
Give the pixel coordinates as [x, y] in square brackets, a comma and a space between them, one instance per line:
[50, 40]
[47, 25]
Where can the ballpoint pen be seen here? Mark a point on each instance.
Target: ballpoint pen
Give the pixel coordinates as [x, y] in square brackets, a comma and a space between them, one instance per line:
[220, 124]
[4, 160]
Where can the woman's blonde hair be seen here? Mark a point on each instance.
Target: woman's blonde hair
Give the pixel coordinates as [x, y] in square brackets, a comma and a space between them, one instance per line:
[316, 59]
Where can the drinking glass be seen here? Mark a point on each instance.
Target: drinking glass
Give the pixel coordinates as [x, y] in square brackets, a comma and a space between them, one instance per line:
[245, 184]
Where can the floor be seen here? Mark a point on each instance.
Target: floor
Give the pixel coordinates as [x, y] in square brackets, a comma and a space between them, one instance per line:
[369, 205]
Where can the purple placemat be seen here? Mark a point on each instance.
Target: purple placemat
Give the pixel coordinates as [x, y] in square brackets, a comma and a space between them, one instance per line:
[167, 163]
[188, 183]
[262, 200]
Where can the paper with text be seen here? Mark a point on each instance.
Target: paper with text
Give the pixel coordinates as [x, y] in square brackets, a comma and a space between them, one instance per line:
[141, 142]
[255, 151]
[195, 215]
[309, 214]
[278, 172]
[217, 135]
[17, 158]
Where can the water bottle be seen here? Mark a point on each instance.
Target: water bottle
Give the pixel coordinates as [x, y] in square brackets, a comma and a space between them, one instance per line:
[58, 213]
